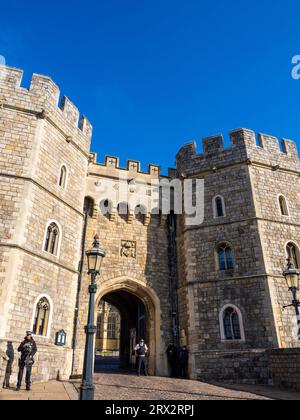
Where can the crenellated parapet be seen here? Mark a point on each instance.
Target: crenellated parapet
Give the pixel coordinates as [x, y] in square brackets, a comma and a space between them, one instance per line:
[111, 167]
[42, 100]
[108, 182]
[246, 146]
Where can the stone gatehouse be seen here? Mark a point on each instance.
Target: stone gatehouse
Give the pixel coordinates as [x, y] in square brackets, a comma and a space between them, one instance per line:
[216, 286]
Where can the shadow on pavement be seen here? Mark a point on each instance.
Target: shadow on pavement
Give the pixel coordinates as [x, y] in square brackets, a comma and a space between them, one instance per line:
[267, 391]
[111, 365]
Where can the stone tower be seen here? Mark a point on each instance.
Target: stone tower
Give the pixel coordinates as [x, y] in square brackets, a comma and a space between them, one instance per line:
[43, 160]
[247, 182]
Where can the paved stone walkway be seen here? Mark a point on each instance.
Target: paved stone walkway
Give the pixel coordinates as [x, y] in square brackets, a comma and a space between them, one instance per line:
[116, 387]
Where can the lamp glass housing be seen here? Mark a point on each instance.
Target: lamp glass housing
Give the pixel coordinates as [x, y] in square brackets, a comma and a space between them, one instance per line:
[95, 257]
[292, 279]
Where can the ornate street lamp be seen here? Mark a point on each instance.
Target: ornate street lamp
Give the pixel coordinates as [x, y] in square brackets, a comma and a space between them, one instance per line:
[94, 257]
[292, 277]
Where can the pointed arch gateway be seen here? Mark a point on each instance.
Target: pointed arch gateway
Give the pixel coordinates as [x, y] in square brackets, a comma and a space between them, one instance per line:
[119, 290]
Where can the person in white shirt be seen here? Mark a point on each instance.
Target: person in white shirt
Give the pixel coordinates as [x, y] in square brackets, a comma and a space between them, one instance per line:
[141, 351]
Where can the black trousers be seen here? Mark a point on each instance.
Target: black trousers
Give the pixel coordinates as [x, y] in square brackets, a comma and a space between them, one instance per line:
[6, 382]
[174, 368]
[27, 377]
[142, 363]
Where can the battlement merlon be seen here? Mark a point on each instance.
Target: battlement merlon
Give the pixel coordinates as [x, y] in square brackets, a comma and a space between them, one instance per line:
[111, 167]
[244, 147]
[42, 98]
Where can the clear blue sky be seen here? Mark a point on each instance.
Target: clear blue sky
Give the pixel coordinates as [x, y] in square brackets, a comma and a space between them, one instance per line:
[152, 75]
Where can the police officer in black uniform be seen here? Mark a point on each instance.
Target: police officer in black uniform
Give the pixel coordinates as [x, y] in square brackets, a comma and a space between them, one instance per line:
[141, 350]
[183, 362]
[172, 354]
[27, 349]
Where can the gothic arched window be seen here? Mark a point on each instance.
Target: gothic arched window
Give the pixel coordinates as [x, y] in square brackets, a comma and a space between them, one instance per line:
[225, 257]
[293, 254]
[88, 206]
[63, 177]
[112, 327]
[283, 206]
[41, 317]
[52, 239]
[219, 207]
[231, 324]
[99, 326]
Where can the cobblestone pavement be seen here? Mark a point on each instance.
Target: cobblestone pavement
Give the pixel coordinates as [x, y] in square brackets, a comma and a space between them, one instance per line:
[128, 387]
[117, 387]
[47, 391]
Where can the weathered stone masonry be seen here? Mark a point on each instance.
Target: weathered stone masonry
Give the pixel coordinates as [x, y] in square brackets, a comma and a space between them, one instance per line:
[36, 138]
[136, 250]
[249, 177]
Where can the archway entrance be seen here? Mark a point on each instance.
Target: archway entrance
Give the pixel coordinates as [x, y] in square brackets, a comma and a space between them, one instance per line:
[108, 333]
[121, 323]
[139, 317]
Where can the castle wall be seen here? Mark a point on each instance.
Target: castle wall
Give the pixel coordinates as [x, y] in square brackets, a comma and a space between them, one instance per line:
[284, 364]
[249, 176]
[276, 231]
[38, 135]
[147, 264]
[37, 138]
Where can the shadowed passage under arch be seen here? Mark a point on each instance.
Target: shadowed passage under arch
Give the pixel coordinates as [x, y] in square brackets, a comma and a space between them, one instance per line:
[122, 322]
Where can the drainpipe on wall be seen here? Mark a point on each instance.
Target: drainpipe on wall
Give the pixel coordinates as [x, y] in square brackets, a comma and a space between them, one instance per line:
[173, 276]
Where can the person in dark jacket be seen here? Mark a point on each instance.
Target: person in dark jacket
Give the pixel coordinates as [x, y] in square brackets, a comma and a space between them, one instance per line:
[10, 355]
[28, 349]
[5, 358]
[183, 362]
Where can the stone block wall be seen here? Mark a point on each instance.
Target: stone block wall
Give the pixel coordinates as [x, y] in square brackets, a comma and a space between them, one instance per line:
[285, 367]
[39, 136]
[51, 362]
[233, 367]
[147, 265]
[249, 176]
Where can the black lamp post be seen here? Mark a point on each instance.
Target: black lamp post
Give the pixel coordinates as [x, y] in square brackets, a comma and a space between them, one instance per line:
[292, 277]
[94, 256]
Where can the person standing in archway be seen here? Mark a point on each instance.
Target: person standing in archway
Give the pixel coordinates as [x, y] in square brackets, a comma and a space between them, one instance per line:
[172, 354]
[183, 362]
[141, 351]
